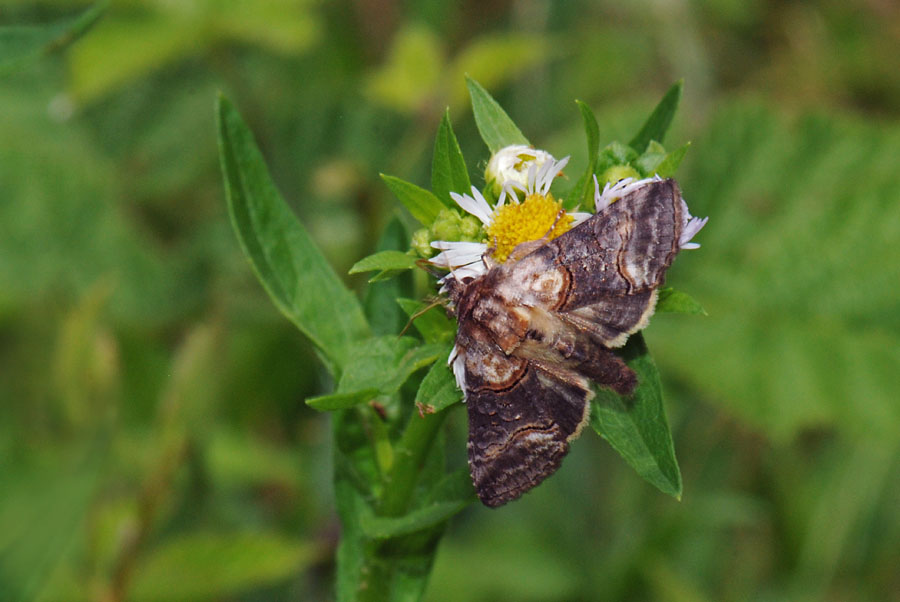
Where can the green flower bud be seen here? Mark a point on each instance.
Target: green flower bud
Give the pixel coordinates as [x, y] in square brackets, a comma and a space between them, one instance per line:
[421, 243]
[618, 172]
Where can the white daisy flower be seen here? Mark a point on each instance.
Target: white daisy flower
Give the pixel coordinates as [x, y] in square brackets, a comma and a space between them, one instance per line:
[511, 165]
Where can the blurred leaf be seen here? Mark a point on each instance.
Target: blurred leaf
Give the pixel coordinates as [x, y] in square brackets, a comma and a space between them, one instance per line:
[636, 426]
[204, 566]
[496, 58]
[411, 71]
[582, 193]
[433, 325]
[496, 128]
[141, 44]
[287, 262]
[438, 389]
[421, 203]
[42, 515]
[674, 301]
[448, 168]
[384, 260]
[21, 44]
[650, 159]
[161, 33]
[660, 119]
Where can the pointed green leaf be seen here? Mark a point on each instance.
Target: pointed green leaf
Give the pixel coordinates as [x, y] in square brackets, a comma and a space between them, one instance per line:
[448, 168]
[677, 302]
[636, 426]
[421, 203]
[22, 44]
[284, 257]
[668, 166]
[496, 128]
[426, 517]
[583, 192]
[341, 401]
[660, 119]
[384, 260]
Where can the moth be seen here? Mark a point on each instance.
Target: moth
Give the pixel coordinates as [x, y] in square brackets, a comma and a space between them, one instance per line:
[536, 329]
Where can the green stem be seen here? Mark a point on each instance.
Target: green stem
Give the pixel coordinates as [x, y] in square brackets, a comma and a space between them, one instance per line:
[409, 455]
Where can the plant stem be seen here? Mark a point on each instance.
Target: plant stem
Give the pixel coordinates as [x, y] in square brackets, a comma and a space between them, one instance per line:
[409, 455]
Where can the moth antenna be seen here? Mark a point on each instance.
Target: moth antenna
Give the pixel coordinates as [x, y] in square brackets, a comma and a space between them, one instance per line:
[427, 266]
[434, 303]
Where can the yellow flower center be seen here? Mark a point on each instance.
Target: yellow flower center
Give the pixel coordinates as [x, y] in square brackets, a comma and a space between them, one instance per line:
[537, 216]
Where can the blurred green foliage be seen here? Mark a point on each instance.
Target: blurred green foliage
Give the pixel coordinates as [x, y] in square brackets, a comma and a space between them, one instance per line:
[154, 443]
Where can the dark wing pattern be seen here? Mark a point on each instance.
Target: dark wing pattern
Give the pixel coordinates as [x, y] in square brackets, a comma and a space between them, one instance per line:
[522, 416]
[534, 330]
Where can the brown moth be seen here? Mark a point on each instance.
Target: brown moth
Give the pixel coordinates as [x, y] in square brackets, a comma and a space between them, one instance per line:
[536, 329]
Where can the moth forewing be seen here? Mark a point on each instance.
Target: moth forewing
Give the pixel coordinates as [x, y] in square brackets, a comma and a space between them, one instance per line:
[534, 330]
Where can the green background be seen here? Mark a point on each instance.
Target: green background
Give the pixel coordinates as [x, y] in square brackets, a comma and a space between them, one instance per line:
[154, 443]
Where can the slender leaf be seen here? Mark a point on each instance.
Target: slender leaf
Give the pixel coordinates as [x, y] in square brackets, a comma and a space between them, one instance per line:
[448, 168]
[20, 45]
[660, 119]
[583, 192]
[636, 426]
[421, 203]
[674, 301]
[341, 401]
[668, 166]
[496, 128]
[384, 260]
[287, 262]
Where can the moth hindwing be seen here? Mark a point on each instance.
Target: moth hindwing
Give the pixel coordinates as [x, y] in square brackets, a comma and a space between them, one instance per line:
[534, 330]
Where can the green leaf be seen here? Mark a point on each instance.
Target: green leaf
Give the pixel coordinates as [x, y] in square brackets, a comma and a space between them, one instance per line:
[421, 203]
[379, 365]
[668, 166]
[284, 257]
[20, 44]
[341, 401]
[636, 426]
[583, 192]
[384, 260]
[496, 128]
[206, 566]
[426, 517]
[433, 325]
[660, 119]
[677, 302]
[448, 168]
[438, 390]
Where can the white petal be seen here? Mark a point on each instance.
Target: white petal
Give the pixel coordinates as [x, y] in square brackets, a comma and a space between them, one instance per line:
[457, 253]
[689, 229]
[458, 362]
[613, 192]
[579, 216]
[548, 173]
[475, 205]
